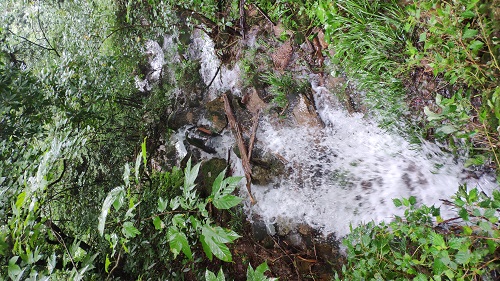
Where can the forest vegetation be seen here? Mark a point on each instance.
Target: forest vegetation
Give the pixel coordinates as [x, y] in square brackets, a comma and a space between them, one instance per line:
[81, 200]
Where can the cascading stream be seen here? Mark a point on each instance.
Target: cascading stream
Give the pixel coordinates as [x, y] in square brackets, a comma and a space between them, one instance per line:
[346, 172]
[350, 170]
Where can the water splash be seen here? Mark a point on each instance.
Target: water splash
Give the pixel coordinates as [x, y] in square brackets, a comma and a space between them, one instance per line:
[346, 172]
[220, 80]
[349, 171]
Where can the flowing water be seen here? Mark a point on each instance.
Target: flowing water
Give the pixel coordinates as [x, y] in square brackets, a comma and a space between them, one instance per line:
[346, 172]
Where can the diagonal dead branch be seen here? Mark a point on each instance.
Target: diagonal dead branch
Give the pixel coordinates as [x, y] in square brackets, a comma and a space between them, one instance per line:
[235, 126]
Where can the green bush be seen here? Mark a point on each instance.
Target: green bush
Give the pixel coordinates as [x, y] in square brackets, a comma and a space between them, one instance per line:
[421, 246]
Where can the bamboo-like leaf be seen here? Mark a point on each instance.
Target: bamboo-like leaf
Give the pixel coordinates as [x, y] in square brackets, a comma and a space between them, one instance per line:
[110, 199]
[143, 153]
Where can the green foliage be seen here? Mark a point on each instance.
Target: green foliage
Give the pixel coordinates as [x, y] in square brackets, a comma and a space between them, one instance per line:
[457, 41]
[418, 247]
[297, 16]
[252, 275]
[181, 221]
[281, 86]
[368, 39]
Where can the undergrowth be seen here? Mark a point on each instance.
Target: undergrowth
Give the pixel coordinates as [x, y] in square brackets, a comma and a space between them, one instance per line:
[378, 43]
[421, 246]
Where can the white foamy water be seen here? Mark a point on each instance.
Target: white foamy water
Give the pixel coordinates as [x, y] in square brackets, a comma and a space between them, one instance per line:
[350, 170]
[345, 173]
[202, 48]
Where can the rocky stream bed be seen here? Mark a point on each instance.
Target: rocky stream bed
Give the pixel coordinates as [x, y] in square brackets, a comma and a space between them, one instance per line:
[319, 162]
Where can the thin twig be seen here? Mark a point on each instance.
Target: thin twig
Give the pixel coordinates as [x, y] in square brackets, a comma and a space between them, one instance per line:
[61, 240]
[252, 136]
[213, 78]
[116, 265]
[29, 41]
[264, 14]
[241, 145]
[43, 33]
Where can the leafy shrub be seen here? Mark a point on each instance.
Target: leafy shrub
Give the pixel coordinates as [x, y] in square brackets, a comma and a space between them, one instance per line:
[421, 246]
[252, 274]
[149, 222]
[368, 40]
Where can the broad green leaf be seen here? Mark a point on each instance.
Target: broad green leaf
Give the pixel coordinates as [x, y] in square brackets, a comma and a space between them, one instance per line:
[216, 186]
[463, 257]
[14, 269]
[190, 175]
[178, 242]
[110, 199]
[476, 45]
[397, 202]
[456, 242]
[469, 33]
[20, 199]
[129, 230]
[438, 240]
[431, 116]
[422, 37]
[51, 263]
[126, 175]
[468, 14]
[226, 202]
[446, 129]
[179, 220]
[215, 239]
[496, 195]
[158, 223]
[119, 200]
[463, 214]
[488, 213]
[438, 267]
[162, 204]
[413, 200]
[231, 184]
[258, 273]
[143, 150]
[206, 248]
[137, 167]
[106, 264]
[210, 276]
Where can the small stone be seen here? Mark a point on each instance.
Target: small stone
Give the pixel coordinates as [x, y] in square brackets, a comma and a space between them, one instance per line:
[216, 115]
[305, 114]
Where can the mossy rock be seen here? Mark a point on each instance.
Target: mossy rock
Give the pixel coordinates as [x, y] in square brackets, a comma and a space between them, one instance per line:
[209, 170]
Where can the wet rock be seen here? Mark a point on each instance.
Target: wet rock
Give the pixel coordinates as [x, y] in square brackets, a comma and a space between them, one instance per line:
[182, 117]
[305, 114]
[296, 240]
[285, 226]
[216, 115]
[252, 101]
[282, 56]
[209, 170]
[201, 138]
[260, 232]
[265, 167]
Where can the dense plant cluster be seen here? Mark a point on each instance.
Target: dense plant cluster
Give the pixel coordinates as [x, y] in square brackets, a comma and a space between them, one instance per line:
[421, 246]
[378, 43]
[80, 200]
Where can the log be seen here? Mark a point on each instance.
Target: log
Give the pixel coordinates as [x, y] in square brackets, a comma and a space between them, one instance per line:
[236, 128]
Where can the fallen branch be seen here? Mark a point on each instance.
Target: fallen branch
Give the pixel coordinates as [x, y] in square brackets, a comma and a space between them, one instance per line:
[235, 126]
[252, 136]
[242, 18]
